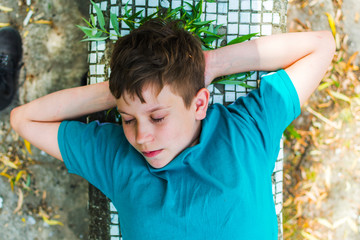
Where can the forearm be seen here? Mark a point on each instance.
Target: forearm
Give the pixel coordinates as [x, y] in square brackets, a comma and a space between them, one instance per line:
[263, 54]
[39, 121]
[67, 104]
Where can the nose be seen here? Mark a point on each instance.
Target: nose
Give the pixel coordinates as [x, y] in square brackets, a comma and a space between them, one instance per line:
[143, 133]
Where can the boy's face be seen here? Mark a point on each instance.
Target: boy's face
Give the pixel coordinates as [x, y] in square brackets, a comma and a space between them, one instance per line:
[161, 127]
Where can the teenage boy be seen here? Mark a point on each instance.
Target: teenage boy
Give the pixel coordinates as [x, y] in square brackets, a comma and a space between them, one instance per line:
[176, 169]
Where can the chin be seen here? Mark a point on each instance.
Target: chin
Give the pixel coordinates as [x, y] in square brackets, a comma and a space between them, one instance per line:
[158, 163]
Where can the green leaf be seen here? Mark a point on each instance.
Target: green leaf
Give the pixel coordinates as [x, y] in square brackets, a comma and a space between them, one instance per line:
[185, 16]
[92, 20]
[87, 22]
[99, 15]
[205, 48]
[236, 82]
[172, 12]
[211, 28]
[324, 85]
[202, 23]
[291, 132]
[88, 31]
[199, 9]
[236, 78]
[28, 181]
[132, 17]
[98, 34]
[208, 33]
[115, 23]
[202, 29]
[130, 24]
[193, 9]
[145, 19]
[216, 30]
[210, 39]
[242, 38]
[243, 84]
[206, 45]
[127, 12]
[194, 29]
[95, 39]
[242, 75]
[108, 113]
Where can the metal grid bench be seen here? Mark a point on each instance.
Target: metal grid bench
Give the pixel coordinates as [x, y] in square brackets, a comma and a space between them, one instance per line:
[238, 17]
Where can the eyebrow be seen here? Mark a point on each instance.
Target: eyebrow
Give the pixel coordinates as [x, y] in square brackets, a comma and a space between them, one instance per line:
[157, 108]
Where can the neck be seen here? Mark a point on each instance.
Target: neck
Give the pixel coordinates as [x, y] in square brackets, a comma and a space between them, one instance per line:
[195, 139]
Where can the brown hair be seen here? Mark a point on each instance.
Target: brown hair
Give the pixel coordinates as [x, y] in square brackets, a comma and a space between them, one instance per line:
[156, 54]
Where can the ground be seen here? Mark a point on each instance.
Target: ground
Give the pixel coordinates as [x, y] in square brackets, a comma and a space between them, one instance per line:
[45, 195]
[322, 170]
[322, 166]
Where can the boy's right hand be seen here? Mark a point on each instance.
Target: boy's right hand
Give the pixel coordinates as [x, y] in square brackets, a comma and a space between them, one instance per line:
[38, 121]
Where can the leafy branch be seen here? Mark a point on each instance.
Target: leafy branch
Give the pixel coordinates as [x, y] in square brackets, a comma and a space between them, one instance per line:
[207, 32]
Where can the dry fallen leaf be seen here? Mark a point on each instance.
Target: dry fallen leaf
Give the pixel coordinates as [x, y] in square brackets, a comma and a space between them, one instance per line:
[28, 146]
[331, 23]
[6, 161]
[351, 60]
[43, 22]
[20, 201]
[339, 222]
[52, 222]
[46, 219]
[328, 177]
[325, 222]
[340, 96]
[308, 236]
[18, 175]
[5, 9]
[357, 16]
[321, 117]
[6, 175]
[4, 25]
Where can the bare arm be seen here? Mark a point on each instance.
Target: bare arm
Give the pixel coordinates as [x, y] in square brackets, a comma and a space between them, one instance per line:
[304, 56]
[38, 121]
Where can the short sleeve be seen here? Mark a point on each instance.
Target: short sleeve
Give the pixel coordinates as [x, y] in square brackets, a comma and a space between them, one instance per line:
[89, 150]
[271, 107]
[280, 100]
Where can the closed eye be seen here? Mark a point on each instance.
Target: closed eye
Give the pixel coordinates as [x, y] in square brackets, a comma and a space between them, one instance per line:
[157, 120]
[128, 121]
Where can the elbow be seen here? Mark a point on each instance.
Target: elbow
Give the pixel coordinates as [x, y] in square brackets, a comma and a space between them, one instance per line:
[328, 42]
[13, 114]
[325, 46]
[15, 117]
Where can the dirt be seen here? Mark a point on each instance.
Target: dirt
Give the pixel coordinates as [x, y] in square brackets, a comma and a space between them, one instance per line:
[322, 170]
[54, 59]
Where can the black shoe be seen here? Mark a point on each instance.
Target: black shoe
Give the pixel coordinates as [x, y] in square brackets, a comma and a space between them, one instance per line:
[10, 56]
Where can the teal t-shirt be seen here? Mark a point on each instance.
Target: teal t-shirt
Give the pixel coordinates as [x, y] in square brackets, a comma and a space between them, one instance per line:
[218, 189]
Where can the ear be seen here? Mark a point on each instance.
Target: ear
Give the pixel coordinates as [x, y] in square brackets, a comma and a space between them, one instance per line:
[201, 102]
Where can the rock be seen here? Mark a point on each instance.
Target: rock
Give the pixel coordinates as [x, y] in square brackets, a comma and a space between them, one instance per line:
[30, 220]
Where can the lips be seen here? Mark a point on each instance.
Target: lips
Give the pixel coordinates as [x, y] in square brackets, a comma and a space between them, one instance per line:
[151, 154]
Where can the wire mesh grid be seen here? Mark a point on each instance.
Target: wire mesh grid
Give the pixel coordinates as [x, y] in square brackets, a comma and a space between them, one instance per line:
[238, 17]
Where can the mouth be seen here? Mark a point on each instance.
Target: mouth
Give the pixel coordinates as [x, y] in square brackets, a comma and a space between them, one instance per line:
[151, 154]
